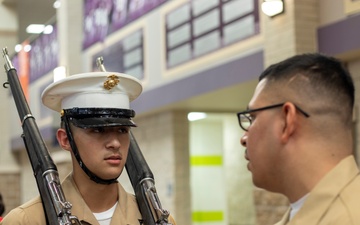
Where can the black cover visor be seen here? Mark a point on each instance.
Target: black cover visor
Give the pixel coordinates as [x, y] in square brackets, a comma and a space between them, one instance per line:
[99, 117]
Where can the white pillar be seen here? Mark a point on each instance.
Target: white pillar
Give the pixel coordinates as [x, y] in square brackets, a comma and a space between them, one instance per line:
[8, 38]
[70, 35]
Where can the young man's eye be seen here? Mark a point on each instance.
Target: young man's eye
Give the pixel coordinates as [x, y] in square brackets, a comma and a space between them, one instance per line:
[98, 130]
[124, 129]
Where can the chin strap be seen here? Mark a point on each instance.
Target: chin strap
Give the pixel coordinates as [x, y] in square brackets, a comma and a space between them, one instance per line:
[91, 175]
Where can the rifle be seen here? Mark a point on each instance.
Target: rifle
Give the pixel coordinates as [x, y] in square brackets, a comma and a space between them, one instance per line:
[142, 181]
[57, 210]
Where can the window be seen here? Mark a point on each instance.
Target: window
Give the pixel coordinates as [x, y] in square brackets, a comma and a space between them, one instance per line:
[125, 56]
[203, 26]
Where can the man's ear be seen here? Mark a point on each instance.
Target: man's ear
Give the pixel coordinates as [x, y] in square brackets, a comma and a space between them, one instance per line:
[63, 139]
[290, 117]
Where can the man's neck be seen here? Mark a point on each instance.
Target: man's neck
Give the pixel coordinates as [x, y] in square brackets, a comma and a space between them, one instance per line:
[98, 197]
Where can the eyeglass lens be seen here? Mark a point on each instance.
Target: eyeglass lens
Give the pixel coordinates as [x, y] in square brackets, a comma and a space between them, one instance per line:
[245, 121]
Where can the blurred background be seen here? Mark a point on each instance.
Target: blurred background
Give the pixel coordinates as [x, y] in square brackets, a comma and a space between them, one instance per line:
[198, 60]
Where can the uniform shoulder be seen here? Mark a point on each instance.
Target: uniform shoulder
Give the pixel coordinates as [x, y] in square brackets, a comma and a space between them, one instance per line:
[29, 213]
[32, 203]
[351, 192]
[350, 197]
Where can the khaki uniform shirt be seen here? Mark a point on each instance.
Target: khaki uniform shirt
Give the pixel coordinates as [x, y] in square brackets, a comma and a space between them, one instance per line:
[335, 200]
[31, 213]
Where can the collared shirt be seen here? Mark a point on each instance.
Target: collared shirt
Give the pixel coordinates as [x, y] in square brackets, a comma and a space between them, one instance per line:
[31, 213]
[296, 206]
[334, 200]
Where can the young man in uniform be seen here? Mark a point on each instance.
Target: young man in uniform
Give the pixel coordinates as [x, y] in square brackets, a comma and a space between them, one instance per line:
[95, 125]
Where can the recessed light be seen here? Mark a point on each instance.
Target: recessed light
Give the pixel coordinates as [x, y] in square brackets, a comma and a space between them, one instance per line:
[57, 4]
[193, 116]
[39, 28]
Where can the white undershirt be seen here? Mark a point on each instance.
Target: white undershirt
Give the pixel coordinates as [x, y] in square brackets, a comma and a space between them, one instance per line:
[104, 218]
[295, 207]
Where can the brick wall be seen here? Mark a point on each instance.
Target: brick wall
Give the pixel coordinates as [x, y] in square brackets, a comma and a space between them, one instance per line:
[292, 32]
[270, 207]
[10, 190]
[164, 141]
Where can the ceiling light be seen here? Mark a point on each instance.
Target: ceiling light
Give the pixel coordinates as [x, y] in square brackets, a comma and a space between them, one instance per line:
[27, 48]
[39, 28]
[48, 29]
[35, 28]
[196, 116]
[18, 47]
[57, 4]
[272, 7]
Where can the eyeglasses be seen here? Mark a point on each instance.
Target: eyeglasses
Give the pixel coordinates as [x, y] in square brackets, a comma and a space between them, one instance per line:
[245, 119]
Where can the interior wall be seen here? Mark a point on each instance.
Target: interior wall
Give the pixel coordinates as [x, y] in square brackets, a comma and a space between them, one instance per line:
[221, 185]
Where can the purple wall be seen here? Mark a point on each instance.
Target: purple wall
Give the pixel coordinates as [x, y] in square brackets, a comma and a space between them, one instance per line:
[234, 72]
[340, 37]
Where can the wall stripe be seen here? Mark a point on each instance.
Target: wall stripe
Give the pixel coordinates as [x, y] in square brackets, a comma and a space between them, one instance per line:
[345, 33]
[212, 160]
[222, 76]
[207, 216]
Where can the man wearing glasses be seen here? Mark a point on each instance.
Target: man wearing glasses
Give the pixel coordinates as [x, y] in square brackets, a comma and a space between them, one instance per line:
[299, 139]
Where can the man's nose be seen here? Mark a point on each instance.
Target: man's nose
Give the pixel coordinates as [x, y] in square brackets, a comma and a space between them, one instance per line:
[113, 140]
[243, 140]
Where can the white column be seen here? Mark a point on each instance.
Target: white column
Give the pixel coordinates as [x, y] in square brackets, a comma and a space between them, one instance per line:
[70, 33]
[208, 196]
[8, 38]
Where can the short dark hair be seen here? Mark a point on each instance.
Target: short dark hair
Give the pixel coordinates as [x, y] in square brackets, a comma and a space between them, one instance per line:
[325, 74]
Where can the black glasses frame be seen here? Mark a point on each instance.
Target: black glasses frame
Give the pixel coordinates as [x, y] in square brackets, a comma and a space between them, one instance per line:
[243, 113]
